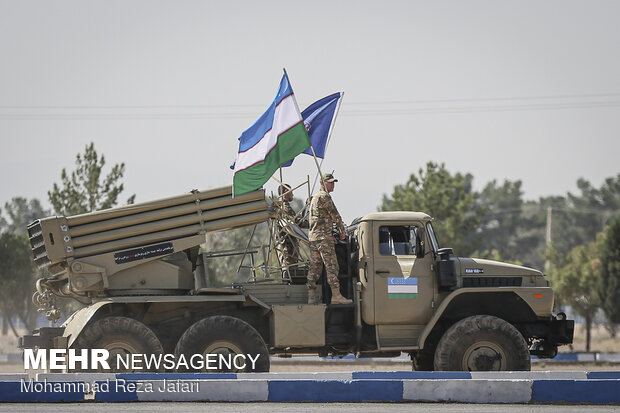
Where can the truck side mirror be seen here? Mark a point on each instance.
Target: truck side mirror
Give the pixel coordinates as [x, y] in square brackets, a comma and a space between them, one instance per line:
[444, 253]
[447, 269]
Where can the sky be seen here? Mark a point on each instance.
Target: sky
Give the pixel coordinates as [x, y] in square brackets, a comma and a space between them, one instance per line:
[504, 90]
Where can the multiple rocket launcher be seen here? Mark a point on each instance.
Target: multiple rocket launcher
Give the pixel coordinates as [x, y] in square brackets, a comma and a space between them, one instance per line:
[118, 238]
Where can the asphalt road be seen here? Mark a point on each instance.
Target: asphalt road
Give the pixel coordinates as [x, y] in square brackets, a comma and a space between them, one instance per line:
[302, 407]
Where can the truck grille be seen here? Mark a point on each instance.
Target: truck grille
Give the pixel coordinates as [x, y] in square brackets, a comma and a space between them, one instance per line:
[492, 281]
[37, 243]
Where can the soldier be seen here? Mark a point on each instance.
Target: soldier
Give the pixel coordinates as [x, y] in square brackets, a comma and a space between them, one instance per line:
[323, 214]
[289, 250]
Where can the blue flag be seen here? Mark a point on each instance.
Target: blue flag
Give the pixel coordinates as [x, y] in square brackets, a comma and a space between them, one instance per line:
[319, 119]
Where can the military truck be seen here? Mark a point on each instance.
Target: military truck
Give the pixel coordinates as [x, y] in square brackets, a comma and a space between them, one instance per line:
[144, 279]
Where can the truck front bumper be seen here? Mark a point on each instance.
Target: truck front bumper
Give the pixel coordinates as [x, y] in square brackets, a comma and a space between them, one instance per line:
[548, 335]
[562, 329]
[44, 337]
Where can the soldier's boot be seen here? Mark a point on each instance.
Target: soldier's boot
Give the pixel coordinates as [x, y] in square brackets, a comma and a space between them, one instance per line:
[312, 294]
[337, 298]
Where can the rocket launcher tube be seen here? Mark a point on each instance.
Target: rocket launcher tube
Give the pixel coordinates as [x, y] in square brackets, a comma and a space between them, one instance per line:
[164, 224]
[149, 206]
[143, 240]
[57, 240]
[168, 212]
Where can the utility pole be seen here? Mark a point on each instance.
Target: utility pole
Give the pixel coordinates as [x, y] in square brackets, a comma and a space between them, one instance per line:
[548, 239]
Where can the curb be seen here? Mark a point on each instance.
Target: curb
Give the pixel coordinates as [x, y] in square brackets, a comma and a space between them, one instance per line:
[403, 386]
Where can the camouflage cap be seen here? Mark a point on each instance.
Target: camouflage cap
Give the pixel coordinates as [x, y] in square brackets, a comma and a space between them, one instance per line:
[329, 178]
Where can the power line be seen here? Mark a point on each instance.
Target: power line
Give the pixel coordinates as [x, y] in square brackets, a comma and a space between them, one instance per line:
[497, 99]
[379, 103]
[190, 112]
[148, 107]
[480, 109]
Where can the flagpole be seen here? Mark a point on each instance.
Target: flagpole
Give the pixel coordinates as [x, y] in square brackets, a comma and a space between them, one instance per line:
[316, 177]
[329, 135]
[281, 179]
[331, 126]
[292, 189]
[318, 167]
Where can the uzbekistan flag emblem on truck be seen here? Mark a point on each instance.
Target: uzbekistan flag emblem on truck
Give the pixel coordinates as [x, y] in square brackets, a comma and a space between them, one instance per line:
[403, 287]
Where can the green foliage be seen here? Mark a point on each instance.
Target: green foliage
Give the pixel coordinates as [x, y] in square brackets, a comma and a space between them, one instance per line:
[595, 205]
[226, 270]
[3, 223]
[22, 212]
[86, 190]
[574, 278]
[17, 273]
[577, 218]
[223, 270]
[502, 233]
[447, 198]
[609, 286]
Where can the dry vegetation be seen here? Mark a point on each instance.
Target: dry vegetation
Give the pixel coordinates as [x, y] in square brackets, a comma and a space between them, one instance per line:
[601, 342]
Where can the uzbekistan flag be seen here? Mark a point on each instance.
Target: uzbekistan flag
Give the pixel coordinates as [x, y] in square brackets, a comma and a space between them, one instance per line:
[275, 138]
[403, 287]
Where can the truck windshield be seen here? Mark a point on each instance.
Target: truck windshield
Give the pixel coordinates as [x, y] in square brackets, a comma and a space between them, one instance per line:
[431, 235]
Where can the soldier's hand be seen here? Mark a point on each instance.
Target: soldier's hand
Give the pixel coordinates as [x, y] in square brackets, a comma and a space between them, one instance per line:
[342, 235]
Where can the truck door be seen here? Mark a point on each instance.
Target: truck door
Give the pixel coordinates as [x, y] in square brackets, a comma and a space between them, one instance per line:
[403, 283]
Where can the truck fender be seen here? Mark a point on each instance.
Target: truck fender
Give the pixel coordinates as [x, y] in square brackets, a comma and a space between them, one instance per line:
[540, 307]
[78, 320]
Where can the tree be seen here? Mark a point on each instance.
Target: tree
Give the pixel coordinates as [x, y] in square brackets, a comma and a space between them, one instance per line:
[574, 279]
[502, 233]
[223, 270]
[595, 205]
[84, 190]
[577, 219]
[17, 271]
[3, 223]
[22, 212]
[17, 274]
[609, 285]
[447, 198]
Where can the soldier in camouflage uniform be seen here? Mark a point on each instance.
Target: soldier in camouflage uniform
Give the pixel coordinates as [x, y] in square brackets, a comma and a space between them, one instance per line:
[323, 214]
[289, 249]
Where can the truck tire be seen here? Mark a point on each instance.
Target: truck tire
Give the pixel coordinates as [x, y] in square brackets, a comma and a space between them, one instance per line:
[120, 336]
[225, 337]
[482, 343]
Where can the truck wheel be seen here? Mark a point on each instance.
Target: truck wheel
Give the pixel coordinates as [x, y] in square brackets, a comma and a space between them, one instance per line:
[121, 336]
[482, 343]
[223, 338]
[422, 362]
